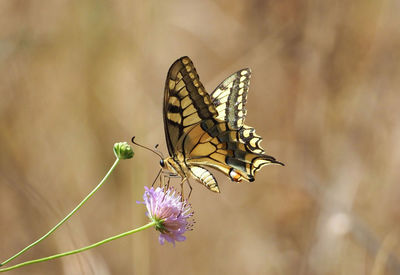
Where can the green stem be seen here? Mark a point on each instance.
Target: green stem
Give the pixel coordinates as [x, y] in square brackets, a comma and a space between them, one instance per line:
[80, 249]
[65, 219]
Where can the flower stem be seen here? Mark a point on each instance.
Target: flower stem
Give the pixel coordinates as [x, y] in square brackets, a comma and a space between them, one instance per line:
[66, 218]
[80, 249]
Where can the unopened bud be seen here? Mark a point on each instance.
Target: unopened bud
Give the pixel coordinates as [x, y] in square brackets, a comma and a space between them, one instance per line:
[123, 150]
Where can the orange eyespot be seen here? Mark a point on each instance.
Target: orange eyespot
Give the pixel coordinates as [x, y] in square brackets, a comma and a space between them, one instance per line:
[235, 176]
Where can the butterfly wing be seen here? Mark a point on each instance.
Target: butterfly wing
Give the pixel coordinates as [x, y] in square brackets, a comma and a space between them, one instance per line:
[230, 98]
[186, 103]
[213, 144]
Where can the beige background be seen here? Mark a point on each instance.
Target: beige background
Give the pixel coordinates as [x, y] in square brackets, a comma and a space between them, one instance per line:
[77, 76]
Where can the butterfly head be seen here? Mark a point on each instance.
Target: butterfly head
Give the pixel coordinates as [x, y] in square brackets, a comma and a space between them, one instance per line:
[162, 163]
[172, 166]
[168, 164]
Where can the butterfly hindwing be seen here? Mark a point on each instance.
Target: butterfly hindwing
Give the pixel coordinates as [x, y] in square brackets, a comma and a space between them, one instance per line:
[252, 141]
[219, 147]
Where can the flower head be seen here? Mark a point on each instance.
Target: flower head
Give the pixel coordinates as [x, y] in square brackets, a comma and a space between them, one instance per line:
[171, 214]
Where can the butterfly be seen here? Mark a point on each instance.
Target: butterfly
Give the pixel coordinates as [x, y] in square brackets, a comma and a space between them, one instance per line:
[207, 130]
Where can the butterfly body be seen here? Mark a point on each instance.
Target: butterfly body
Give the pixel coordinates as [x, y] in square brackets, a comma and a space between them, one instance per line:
[205, 130]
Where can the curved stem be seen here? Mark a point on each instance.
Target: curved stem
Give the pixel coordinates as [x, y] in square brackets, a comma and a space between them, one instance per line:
[65, 219]
[80, 249]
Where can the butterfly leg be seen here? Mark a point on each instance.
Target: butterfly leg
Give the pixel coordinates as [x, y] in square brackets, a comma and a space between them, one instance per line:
[158, 175]
[161, 179]
[166, 186]
[190, 186]
[163, 184]
[182, 194]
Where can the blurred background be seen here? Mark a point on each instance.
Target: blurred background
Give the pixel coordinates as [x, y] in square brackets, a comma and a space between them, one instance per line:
[77, 76]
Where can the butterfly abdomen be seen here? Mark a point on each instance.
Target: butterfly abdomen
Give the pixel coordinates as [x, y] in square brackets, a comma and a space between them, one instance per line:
[205, 177]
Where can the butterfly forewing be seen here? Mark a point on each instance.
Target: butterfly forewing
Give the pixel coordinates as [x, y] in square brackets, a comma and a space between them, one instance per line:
[230, 98]
[186, 102]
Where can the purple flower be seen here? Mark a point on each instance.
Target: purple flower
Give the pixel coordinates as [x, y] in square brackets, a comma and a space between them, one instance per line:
[173, 216]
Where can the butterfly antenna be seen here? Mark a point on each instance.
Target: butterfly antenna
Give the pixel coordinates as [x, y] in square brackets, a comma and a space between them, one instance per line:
[155, 152]
[158, 151]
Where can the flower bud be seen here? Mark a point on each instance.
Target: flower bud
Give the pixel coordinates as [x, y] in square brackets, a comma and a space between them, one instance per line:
[123, 150]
